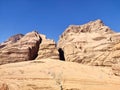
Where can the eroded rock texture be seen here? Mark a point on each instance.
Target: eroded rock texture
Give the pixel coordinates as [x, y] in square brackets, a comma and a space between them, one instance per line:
[11, 40]
[24, 49]
[92, 43]
[47, 49]
[27, 47]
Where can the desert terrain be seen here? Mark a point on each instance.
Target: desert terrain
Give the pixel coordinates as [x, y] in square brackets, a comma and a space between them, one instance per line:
[86, 57]
[49, 74]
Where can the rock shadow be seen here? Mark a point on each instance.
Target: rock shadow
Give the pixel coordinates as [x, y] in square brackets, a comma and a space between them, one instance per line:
[61, 54]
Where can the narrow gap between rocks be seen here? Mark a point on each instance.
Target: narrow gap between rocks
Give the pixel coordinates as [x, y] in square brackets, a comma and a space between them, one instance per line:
[36, 50]
[61, 54]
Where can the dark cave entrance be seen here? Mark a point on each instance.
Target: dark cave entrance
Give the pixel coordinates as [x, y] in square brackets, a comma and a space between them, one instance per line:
[61, 54]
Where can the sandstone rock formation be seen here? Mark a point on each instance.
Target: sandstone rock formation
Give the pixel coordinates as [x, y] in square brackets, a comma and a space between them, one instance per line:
[15, 38]
[24, 49]
[28, 47]
[92, 43]
[11, 40]
[49, 74]
[47, 49]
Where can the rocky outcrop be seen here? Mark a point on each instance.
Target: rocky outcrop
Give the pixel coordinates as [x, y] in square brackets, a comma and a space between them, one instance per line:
[92, 43]
[12, 39]
[28, 47]
[47, 49]
[15, 38]
[24, 49]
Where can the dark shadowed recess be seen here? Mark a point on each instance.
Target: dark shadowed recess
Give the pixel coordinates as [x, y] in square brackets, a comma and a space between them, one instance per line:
[61, 54]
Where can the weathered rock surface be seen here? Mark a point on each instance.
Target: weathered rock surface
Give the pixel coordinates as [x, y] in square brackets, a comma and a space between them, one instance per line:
[47, 49]
[12, 39]
[116, 69]
[49, 74]
[28, 47]
[92, 43]
[3, 86]
[24, 49]
[15, 38]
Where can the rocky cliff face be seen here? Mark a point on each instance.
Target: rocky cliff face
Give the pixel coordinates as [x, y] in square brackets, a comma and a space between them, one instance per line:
[92, 43]
[25, 49]
[15, 38]
[21, 48]
[12, 39]
[47, 49]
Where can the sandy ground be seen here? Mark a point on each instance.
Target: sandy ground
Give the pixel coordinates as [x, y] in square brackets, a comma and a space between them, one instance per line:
[48, 74]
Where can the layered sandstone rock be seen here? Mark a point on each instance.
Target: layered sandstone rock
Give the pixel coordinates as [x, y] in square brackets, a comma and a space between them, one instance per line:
[47, 49]
[92, 43]
[12, 39]
[24, 49]
[15, 38]
[28, 47]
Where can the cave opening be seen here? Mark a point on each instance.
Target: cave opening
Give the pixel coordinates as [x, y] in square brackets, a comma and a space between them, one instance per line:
[61, 54]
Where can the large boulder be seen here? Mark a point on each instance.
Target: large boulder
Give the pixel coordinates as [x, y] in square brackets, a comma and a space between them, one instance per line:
[47, 49]
[92, 43]
[24, 49]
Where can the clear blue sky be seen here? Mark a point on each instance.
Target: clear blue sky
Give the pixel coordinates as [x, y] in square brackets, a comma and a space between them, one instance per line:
[52, 17]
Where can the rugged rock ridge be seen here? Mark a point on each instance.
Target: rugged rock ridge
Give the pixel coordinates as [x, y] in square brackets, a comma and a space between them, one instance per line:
[93, 26]
[11, 40]
[47, 49]
[15, 38]
[24, 49]
[28, 47]
[92, 43]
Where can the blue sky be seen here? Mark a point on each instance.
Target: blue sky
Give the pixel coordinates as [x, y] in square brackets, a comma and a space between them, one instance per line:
[52, 17]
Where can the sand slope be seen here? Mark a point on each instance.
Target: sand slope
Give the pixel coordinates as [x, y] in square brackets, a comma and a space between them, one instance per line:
[48, 74]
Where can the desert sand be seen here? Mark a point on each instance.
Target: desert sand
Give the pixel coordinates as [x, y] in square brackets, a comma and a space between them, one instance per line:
[49, 74]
